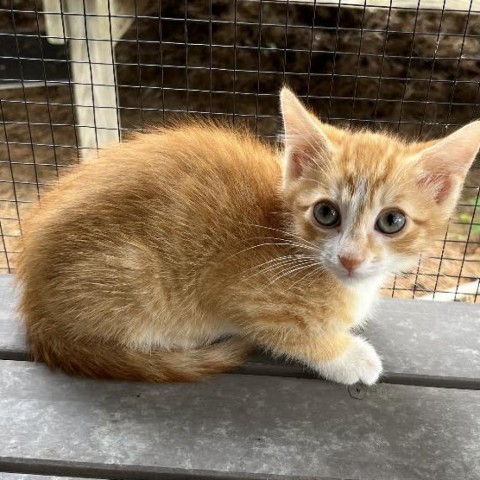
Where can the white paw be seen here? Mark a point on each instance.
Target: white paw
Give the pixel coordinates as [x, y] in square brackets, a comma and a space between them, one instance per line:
[359, 363]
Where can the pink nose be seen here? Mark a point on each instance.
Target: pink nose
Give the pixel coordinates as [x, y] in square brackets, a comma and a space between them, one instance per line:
[351, 263]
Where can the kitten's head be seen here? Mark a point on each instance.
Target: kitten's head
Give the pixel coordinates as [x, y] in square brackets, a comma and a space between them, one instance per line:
[371, 202]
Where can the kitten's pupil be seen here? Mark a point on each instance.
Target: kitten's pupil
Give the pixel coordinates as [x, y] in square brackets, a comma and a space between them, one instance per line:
[326, 214]
[391, 222]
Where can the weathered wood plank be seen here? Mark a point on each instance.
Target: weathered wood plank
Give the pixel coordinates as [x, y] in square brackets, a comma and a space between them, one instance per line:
[428, 338]
[239, 423]
[421, 342]
[131, 472]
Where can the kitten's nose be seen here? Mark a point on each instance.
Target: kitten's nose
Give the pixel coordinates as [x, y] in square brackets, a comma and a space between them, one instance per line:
[350, 263]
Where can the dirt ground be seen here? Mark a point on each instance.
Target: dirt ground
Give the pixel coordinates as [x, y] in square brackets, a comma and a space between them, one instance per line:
[415, 79]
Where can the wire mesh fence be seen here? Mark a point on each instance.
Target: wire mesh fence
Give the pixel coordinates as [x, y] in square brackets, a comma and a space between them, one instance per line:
[77, 74]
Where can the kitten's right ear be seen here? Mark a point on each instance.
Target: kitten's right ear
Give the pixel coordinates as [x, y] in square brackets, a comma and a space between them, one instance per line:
[305, 143]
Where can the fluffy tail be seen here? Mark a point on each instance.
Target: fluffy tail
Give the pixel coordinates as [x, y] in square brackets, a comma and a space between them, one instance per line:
[98, 360]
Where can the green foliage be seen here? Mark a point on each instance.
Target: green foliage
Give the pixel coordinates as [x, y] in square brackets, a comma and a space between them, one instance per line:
[467, 218]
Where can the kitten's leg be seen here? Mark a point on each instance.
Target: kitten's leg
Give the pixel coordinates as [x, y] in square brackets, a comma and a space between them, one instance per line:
[335, 355]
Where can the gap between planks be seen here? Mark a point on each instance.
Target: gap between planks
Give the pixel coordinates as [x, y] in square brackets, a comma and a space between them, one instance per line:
[297, 371]
[59, 468]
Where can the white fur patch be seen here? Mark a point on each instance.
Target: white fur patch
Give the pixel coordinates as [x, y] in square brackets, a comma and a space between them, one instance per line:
[366, 293]
[359, 363]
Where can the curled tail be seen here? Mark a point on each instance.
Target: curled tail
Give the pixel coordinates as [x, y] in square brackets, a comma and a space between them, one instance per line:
[99, 360]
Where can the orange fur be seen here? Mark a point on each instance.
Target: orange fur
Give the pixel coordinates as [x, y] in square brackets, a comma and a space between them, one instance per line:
[139, 264]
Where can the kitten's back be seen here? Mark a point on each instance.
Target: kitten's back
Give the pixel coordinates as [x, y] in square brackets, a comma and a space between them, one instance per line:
[124, 250]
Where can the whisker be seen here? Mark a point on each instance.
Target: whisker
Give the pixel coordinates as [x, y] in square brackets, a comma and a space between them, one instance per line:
[272, 267]
[285, 232]
[279, 259]
[264, 244]
[319, 269]
[291, 242]
[282, 268]
[290, 271]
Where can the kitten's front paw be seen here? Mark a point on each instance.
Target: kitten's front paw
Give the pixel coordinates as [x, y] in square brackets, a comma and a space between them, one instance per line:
[359, 363]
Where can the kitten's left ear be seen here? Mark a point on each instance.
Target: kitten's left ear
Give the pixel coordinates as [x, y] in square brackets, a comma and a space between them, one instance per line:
[446, 163]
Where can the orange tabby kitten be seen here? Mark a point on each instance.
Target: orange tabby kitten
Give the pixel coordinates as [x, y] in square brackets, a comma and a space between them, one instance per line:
[171, 255]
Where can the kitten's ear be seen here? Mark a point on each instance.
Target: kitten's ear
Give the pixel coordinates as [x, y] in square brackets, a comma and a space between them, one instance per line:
[306, 144]
[446, 163]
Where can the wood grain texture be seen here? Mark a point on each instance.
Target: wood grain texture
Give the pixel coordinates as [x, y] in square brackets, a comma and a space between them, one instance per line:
[241, 424]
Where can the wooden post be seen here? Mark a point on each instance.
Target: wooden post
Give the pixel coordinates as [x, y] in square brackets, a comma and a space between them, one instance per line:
[92, 29]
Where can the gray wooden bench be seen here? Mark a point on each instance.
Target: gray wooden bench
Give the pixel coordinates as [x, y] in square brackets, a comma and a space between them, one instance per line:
[268, 420]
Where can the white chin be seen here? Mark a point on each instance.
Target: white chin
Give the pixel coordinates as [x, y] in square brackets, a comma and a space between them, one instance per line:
[354, 278]
[351, 279]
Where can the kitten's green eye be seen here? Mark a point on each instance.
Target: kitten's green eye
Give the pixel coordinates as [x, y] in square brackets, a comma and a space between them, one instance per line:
[390, 222]
[326, 214]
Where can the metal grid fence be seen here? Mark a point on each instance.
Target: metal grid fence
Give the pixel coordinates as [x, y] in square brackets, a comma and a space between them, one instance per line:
[78, 73]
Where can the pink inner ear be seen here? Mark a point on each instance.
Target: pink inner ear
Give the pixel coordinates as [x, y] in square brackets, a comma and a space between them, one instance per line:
[300, 157]
[441, 184]
[297, 161]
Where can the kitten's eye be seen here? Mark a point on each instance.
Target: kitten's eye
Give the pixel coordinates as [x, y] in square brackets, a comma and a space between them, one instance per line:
[390, 222]
[326, 214]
